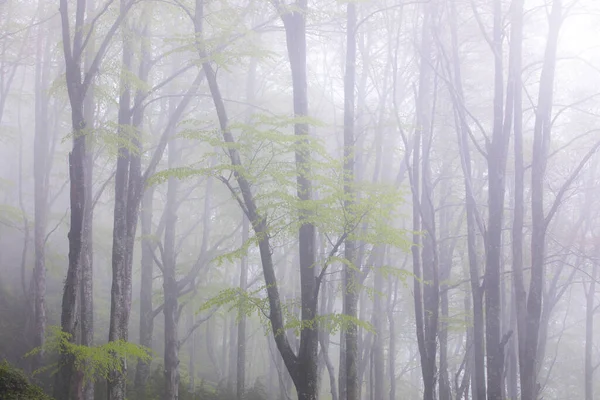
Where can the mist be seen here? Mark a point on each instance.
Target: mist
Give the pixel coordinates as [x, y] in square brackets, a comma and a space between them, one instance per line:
[277, 200]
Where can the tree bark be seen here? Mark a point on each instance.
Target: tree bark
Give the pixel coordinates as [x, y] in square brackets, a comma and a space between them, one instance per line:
[350, 275]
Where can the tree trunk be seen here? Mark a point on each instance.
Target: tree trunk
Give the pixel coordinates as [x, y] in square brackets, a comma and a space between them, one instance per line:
[87, 257]
[541, 142]
[146, 310]
[350, 275]
[496, 172]
[426, 296]
[171, 293]
[589, 334]
[378, 357]
[241, 333]
[41, 178]
[478, 376]
[121, 277]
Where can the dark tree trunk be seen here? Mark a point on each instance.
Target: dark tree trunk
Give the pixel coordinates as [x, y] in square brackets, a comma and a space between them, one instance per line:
[121, 277]
[77, 157]
[87, 256]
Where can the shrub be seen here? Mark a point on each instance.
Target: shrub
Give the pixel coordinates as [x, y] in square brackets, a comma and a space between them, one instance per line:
[14, 385]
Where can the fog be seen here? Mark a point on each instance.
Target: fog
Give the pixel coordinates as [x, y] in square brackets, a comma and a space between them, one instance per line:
[276, 200]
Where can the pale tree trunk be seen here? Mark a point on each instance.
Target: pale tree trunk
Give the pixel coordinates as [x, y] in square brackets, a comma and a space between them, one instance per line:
[241, 331]
[541, 142]
[590, 310]
[392, 299]
[171, 293]
[378, 357]
[41, 166]
[327, 301]
[473, 218]
[192, 365]
[146, 310]
[426, 297]
[128, 193]
[496, 161]
[519, 294]
[350, 275]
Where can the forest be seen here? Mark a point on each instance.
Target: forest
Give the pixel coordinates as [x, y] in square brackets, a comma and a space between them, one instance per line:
[299, 199]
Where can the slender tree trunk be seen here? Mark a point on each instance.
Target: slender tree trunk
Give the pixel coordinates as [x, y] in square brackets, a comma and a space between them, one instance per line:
[378, 356]
[541, 142]
[41, 164]
[426, 297]
[146, 310]
[170, 310]
[589, 335]
[478, 387]
[241, 332]
[496, 172]
[350, 276]
[87, 257]
[392, 329]
[306, 380]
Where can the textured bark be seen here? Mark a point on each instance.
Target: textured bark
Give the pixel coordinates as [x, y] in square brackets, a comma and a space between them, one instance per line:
[76, 90]
[129, 183]
[120, 295]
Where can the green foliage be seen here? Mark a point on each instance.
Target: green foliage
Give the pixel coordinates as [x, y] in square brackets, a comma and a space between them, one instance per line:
[95, 362]
[246, 303]
[14, 385]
